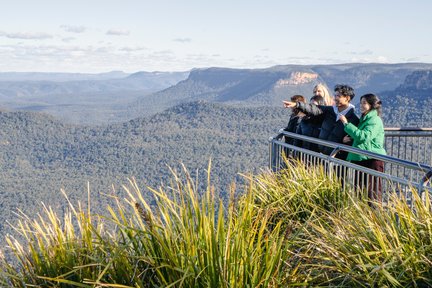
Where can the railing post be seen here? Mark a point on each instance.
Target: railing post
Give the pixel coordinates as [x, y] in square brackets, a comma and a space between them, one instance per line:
[334, 152]
[274, 157]
[272, 152]
[331, 164]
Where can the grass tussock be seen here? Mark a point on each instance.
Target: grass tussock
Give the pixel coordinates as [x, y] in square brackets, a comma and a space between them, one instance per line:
[381, 246]
[297, 227]
[298, 192]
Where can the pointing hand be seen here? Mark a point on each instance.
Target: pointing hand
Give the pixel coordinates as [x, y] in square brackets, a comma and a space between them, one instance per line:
[289, 104]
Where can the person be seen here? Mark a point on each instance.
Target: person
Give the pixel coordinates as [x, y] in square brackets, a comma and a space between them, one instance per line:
[321, 90]
[368, 135]
[332, 128]
[309, 126]
[295, 118]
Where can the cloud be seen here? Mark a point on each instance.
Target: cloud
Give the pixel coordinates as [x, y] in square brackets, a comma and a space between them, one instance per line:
[26, 35]
[364, 52]
[413, 59]
[66, 57]
[118, 32]
[298, 60]
[162, 54]
[378, 59]
[51, 51]
[107, 56]
[327, 60]
[73, 29]
[132, 49]
[68, 39]
[382, 59]
[182, 40]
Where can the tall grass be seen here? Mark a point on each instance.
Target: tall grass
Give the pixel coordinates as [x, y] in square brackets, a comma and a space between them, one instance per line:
[51, 250]
[296, 192]
[185, 239]
[373, 246]
[297, 227]
[193, 241]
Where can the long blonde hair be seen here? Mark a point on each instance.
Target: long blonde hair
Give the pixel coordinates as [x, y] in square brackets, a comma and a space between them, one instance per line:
[328, 99]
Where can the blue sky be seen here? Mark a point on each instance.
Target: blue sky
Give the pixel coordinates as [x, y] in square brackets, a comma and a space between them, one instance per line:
[96, 36]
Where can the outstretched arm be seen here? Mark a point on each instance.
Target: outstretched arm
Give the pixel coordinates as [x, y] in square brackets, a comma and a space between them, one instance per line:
[289, 104]
[308, 109]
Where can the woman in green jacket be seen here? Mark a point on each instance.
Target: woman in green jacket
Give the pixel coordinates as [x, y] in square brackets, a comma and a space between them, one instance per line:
[368, 135]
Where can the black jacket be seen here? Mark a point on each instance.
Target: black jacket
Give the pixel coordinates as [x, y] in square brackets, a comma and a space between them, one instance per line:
[308, 126]
[331, 130]
[293, 123]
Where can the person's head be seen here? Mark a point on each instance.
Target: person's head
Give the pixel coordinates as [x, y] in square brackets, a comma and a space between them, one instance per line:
[317, 100]
[343, 95]
[321, 90]
[370, 102]
[297, 98]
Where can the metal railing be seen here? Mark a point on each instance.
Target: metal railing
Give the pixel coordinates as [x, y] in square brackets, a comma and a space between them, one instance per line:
[413, 144]
[400, 175]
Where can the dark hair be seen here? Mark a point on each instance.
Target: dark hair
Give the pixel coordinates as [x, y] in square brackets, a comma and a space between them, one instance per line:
[345, 90]
[373, 101]
[297, 98]
[318, 99]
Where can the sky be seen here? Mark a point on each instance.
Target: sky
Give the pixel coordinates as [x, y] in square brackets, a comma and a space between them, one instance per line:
[96, 36]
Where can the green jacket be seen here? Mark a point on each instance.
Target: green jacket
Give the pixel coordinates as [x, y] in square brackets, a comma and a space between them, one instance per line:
[369, 135]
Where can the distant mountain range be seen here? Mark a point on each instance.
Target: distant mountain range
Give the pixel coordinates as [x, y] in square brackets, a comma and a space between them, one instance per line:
[99, 99]
[268, 87]
[81, 98]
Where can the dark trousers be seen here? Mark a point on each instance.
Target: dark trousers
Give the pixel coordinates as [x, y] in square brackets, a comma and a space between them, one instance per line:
[374, 184]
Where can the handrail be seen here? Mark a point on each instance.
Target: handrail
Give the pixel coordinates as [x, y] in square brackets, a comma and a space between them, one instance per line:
[408, 132]
[413, 165]
[407, 129]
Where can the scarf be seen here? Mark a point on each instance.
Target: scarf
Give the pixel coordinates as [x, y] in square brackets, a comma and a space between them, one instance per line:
[343, 112]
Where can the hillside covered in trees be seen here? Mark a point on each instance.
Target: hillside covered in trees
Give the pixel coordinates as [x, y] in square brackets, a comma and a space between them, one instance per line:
[410, 104]
[40, 155]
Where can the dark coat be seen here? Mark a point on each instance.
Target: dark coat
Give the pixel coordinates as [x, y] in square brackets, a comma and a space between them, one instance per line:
[331, 130]
[293, 123]
[308, 126]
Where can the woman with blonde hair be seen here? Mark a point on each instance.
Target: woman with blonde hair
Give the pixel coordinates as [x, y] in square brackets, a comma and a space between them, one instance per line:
[321, 90]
